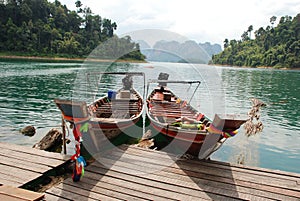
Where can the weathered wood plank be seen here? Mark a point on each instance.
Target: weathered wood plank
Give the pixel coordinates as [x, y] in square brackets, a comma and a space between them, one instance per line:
[10, 180]
[52, 197]
[24, 175]
[37, 159]
[255, 175]
[174, 171]
[25, 165]
[245, 184]
[185, 181]
[10, 198]
[69, 192]
[101, 188]
[62, 193]
[30, 150]
[19, 193]
[225, 165]
[20, 165]
[151, 184]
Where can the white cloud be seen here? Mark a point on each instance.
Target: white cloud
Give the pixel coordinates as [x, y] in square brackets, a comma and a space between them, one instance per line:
[210, 20]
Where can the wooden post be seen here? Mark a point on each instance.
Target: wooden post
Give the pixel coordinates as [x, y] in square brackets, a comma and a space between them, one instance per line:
[63, 126]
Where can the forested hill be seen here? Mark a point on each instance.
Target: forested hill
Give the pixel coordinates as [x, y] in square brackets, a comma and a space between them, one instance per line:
[39, 27]
[273, 46]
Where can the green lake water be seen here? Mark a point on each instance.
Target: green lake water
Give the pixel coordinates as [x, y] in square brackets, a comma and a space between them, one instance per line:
[27, 91]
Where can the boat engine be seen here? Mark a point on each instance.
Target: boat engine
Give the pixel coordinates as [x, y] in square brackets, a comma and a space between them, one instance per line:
[127, 82]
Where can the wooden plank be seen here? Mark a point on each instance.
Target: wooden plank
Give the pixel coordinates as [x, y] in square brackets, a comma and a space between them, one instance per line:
[68, 192]
[30, 150]
[10, 198]
[172, 110]
[62, 193]
[158, 186]
[283, 183]
[24, 175]
[93, 186]
[25, 165]
[120, 185]
[10, 180]
[211, 163]
[172, 115]
[90, 193]
[132, 173]
[52, 197]
[19, 193]
[233, 181]
[276, 175]
[37, 159]
[10, 183]
[155, 189]
[219, 181]
[185, 181]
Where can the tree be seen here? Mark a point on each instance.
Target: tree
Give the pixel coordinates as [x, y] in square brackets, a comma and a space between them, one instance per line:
[273, 46]
[42, 27]
[108, 27]
[245, 36]
[250, 29]
[273, 20]
[226, 43]
[78, 6]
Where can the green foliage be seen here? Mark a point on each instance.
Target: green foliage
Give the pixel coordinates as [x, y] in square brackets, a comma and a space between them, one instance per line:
[278, 46]
[39, 27]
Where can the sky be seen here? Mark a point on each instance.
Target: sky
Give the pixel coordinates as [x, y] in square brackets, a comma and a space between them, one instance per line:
[203, 21]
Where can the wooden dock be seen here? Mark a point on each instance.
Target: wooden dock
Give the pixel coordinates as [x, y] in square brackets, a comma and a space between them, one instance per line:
[132, 173]
[20, 166]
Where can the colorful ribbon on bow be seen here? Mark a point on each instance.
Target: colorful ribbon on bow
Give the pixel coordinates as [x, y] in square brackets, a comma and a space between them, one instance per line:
[80, 163]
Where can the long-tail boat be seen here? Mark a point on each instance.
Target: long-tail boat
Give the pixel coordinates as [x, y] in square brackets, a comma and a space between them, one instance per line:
[103, 119]
[110, 114]
[185, 127]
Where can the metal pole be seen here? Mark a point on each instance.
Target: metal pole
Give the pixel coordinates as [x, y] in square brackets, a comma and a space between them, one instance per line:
[63, 126]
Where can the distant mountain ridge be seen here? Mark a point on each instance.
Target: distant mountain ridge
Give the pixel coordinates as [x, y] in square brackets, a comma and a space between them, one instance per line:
[174, 51]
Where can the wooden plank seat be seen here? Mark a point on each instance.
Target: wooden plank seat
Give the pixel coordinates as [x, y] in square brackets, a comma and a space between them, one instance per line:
[172, 111]
[172, 116]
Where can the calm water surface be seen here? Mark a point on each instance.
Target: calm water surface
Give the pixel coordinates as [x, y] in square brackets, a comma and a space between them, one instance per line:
[27, 90]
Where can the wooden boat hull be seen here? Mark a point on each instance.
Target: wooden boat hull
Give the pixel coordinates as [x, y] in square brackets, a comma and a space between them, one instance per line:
[107, 118]
[185, 142]
[182, 141]
[111, 129]
[185, 128]
[116, 114]
[102, 136]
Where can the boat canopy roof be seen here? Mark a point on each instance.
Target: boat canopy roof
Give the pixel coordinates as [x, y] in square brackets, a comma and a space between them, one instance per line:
[118, 73]
[174, 81]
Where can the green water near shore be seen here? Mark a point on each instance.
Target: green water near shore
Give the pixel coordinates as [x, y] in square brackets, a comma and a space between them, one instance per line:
[27, 90]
